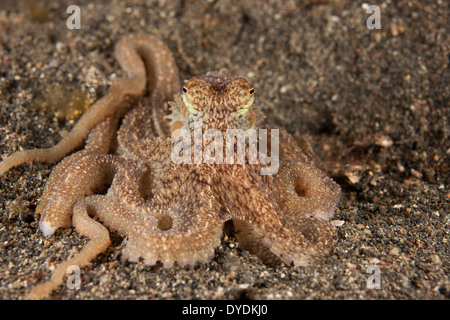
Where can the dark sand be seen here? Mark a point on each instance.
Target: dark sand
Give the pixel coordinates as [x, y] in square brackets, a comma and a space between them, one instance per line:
[374, 103]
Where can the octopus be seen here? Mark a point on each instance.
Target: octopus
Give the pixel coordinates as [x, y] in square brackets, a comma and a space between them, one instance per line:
[125, 178]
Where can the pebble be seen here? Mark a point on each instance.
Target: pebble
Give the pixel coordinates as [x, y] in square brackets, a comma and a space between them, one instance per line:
[395, 251]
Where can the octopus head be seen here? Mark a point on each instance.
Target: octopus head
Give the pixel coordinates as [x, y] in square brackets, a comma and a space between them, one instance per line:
[219, 100]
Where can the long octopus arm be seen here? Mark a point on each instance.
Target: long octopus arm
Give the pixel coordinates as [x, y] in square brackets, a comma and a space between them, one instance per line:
[84, 224]
[61, 201]
[130, 51]
[183, 239]
[80, 179]
[180, 226]
[98, 142]
[168, 228]
[168, 237]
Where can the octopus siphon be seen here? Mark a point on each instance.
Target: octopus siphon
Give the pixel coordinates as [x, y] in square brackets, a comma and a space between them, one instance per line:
[170, 208]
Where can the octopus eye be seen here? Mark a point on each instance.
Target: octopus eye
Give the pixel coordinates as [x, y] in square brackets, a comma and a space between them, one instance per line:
[252, 91]
[244, 109]
[189, 106]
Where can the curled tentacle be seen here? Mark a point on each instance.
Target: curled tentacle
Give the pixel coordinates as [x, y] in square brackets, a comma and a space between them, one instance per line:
[293, 237]
[84, 224]
[98, 141]
[77, 181]
[181, 225]
[304, 189]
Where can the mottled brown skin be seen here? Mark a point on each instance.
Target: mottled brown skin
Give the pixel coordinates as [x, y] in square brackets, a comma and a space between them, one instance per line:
[176, 212]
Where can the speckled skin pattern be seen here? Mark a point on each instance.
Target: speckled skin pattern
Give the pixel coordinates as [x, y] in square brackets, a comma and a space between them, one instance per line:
[176, 212]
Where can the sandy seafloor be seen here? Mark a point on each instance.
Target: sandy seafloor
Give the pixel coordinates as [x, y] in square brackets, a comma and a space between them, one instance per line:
[374, 104]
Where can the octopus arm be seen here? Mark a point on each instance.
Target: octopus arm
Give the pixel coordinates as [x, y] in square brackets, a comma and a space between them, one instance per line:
[184, 222]
[157, 73]
[291, 233]
[98, 142]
